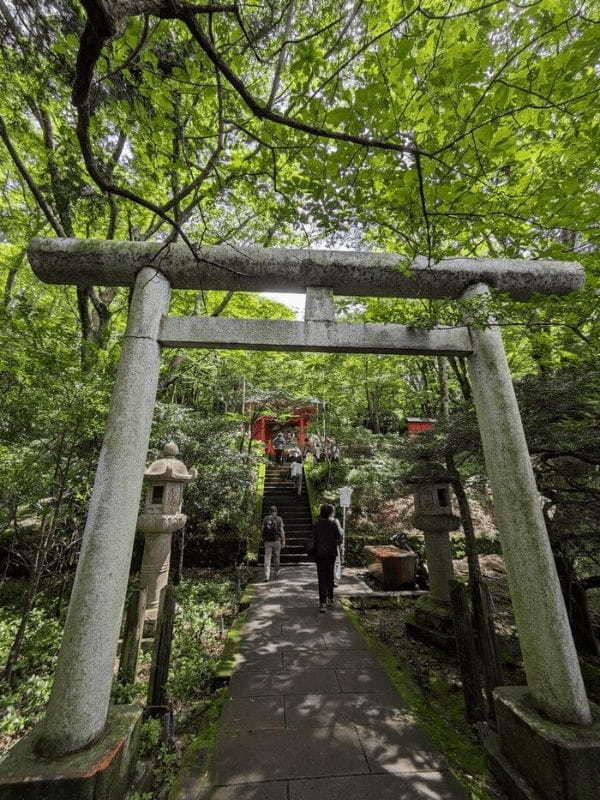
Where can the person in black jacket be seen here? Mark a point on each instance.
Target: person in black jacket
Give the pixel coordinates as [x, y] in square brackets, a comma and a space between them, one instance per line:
[327, 537]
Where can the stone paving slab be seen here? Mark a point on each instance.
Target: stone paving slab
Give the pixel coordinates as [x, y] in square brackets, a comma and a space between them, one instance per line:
[419, 786]
[322, 710]
[253, 713]
[398, 748]
[293, 753]
[307, 638]
[255, 661]
[363, 680]
[276, 790]
[313, 625]
[299, 681]
[351, 659]
[342, 640]
[263, 644]
[311, 716]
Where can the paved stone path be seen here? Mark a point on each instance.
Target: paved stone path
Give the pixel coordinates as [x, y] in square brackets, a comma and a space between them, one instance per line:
[311, 715]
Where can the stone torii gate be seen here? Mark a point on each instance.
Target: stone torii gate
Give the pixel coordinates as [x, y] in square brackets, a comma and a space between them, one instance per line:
[78, 707]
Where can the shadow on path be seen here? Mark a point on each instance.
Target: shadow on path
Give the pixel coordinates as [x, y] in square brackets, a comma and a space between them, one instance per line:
[311, 716]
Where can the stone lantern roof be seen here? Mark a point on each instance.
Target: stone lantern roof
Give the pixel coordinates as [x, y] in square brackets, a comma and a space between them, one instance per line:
[428, 472]
[169, 468]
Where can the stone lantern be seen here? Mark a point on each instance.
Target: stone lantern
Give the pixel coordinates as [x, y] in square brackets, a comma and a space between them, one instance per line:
[160, 518]
[432, 621]
[433, 515]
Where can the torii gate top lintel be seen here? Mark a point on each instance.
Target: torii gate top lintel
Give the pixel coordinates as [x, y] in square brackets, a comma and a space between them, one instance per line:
[257, 269]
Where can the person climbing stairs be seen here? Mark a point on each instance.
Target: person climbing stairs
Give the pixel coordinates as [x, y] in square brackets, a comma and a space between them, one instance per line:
[281, 491]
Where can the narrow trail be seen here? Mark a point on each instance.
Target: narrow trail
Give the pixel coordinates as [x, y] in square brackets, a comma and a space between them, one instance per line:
[311, 716]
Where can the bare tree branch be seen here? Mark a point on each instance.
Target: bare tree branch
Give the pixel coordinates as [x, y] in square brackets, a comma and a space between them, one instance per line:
[33, 187]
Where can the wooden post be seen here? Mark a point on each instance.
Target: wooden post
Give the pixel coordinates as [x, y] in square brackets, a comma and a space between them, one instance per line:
[161, 656]
[132, 636]
[163, 639]
[467, 653]
[488, 632]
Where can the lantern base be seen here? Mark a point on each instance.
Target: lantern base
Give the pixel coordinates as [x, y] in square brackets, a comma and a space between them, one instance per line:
[432, 623]
[102, 771]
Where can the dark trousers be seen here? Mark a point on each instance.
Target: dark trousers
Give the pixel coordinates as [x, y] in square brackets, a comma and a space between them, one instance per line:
[325, 576]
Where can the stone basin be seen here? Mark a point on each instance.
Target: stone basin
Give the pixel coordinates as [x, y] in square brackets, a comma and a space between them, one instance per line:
[392, 567]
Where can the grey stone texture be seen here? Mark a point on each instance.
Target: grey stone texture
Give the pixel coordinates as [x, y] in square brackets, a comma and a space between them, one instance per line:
[254, 713]
[549, 657]
[258, 791]
[439, 564]
[80, 696]
[555, 760]
[257, 269]
[102, 771]
[314, 336]
[319, 304]
[326, 723]
[417, 786]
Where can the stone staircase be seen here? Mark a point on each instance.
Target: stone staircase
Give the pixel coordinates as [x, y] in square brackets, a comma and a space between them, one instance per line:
[294, 510]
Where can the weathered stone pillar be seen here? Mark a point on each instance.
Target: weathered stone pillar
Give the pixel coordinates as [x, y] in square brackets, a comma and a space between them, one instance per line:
[79, 702]
[549, 657]
[154, 572]
[439, 564]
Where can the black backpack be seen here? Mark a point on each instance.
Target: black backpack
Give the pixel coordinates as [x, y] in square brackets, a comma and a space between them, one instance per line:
[270, 529]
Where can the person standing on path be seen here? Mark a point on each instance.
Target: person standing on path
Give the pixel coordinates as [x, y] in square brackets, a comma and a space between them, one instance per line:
[278, 445]
[327, 537]
[273, 536]
[296, 473]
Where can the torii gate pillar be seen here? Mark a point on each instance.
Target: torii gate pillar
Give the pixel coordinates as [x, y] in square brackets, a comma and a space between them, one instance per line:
[79, 702]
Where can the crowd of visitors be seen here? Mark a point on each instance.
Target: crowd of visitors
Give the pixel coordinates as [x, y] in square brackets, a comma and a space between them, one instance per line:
[286, 447]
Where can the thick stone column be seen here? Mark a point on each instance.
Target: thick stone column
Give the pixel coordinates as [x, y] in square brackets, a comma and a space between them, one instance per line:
[439, 564]
[549, 657]
[78, 705]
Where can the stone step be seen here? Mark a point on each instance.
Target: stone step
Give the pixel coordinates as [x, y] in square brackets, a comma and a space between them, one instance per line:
[288, 508]
[298, 525]
[289, 559]
[289, 550]
[285, 502]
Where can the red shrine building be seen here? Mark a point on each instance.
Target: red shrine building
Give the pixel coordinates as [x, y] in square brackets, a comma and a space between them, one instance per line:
[291, 418]
[416, 425]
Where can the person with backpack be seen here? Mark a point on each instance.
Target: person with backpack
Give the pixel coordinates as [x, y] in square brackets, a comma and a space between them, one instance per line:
[326, 539]
[273, 536]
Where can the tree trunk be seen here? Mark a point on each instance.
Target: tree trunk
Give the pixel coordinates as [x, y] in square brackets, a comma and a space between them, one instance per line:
[132, 636]
[458, 367]
[444, 402]
[577, 607]
[467, 653]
